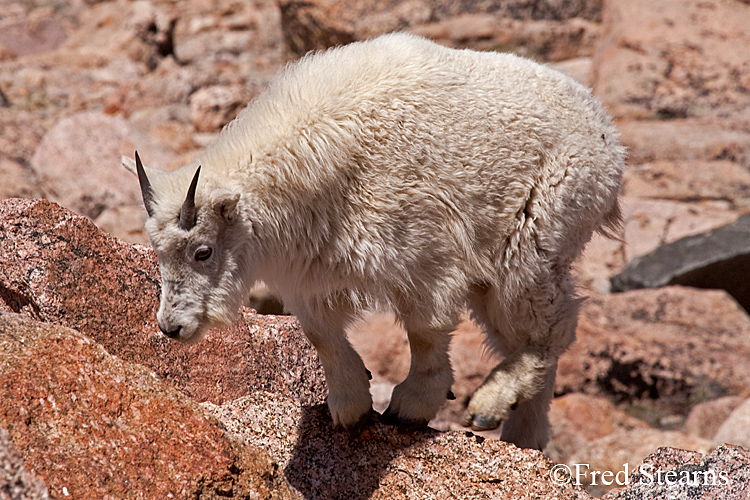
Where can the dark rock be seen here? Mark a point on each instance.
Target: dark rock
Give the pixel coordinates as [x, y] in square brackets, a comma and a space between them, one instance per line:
[718, 259]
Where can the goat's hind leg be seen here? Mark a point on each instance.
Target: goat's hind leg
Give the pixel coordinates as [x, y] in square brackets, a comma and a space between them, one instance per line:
[534, 333]
[528, 424]
[515, 381]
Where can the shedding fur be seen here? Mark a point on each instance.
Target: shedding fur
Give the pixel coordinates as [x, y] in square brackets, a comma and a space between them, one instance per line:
[400, 176]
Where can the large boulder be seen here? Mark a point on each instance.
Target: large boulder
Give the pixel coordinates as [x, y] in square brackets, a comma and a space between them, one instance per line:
[674, 58]
[58, 267]
[78, 163]
[667, 349]
[94, 426]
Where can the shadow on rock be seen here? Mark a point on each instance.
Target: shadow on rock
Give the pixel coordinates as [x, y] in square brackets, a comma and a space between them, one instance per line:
[335, 465]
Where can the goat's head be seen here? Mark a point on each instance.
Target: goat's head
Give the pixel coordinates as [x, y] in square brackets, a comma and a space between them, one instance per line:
[196, 232]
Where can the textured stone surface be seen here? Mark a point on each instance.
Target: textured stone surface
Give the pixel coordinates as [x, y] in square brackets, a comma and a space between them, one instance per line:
[16, 481]
[546, 29]
[655, 63]
[736, 428]
[93, 426]
[382, 463]
[578, 419]
[692, 478]
[718, 259]
[631, 447]
[705, 418]
[669, 348]
[58, 267]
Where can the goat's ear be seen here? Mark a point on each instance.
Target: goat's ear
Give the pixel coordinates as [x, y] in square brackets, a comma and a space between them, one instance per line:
[225, 204]
[129, 164]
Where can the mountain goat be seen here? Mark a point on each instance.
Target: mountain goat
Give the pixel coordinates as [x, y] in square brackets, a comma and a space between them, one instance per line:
[396, 175]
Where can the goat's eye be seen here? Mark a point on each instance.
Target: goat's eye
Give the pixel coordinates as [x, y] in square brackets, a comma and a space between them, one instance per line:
[202, 254]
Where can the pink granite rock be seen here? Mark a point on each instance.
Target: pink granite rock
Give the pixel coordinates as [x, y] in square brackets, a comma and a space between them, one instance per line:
[93, 426]
[59, 268]
[674, 474]
[667, 348]
[623, 451]
[705, 419]
[383, 463]
[674, 58]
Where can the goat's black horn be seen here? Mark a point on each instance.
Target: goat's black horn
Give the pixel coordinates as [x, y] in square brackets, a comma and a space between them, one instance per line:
[146, 191]
[187, 212]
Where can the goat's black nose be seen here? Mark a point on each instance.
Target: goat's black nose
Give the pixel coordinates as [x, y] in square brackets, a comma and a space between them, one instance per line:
[173, 334]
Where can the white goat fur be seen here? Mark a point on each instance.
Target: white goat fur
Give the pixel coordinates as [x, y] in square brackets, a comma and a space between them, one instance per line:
[400, 176]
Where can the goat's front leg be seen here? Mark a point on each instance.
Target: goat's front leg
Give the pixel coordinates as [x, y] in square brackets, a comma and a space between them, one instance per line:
[347, 378]
[417, 399]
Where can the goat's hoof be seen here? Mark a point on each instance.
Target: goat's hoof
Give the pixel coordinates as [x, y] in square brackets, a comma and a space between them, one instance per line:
[403, 425]
[481, 422]
[355, 429]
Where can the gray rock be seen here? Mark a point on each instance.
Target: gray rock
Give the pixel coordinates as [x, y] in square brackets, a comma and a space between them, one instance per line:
[717, 259]
[16, 482]
[680, 475]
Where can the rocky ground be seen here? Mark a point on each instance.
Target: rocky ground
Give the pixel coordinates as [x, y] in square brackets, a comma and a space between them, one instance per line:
[96, 404]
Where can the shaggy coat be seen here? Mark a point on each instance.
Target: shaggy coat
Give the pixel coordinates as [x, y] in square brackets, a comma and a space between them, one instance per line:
[400, 176]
